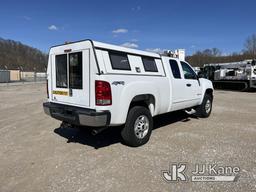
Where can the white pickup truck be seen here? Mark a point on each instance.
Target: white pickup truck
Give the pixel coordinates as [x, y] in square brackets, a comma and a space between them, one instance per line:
[99, 85]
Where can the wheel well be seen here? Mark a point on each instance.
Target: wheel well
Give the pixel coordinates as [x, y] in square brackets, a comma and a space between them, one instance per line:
[209, 92]
[146, 100]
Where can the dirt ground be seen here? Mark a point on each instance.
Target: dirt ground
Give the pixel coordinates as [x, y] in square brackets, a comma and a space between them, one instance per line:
[37, 155]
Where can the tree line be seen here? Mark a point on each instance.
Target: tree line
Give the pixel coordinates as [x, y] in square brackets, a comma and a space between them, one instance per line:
[15, 55]
[214, 55]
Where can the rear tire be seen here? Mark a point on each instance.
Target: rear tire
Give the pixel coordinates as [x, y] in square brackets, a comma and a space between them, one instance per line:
[204, 110]
[138, 127]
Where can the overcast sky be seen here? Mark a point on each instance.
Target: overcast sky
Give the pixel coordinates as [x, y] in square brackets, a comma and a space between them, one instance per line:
[189, 24]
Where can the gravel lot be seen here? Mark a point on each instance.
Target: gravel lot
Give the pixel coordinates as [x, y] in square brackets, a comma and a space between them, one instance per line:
[37, 155]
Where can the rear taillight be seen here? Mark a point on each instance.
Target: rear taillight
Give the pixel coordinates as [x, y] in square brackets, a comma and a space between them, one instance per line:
[47, 91]
[103, 93]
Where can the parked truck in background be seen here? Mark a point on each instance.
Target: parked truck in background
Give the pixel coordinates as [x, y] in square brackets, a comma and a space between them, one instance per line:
[99, 85]
[234, 75]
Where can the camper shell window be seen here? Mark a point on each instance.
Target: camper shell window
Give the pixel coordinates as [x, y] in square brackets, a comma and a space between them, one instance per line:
[149, 64]
[75, 70]
[74, 61]
[61, 71]
[119, 60]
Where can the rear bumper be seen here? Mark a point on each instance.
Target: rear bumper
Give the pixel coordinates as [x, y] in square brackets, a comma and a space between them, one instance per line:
[77, 115]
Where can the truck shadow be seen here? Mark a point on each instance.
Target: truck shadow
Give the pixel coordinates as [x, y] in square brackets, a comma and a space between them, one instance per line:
[83, 136]
[112, 134]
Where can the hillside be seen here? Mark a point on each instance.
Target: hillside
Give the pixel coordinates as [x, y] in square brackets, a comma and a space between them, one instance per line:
[15, 55]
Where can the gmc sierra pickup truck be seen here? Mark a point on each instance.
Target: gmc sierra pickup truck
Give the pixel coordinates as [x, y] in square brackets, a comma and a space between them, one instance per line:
[99, 85]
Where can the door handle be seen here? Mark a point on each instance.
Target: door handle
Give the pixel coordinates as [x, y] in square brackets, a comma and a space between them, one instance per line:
[188, 85]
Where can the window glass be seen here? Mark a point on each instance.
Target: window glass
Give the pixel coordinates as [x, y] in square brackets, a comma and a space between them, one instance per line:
[175, 69]
[75, 70]
[188, 71]
[61, 71]
[119, 61]
[149, 64]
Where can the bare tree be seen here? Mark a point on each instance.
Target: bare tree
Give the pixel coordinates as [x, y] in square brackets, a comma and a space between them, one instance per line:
[214, 55]
[216, 52]
[14, 55]
[250, 45]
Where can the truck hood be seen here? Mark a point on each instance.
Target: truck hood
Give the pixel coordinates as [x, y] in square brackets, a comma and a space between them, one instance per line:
[206, 83]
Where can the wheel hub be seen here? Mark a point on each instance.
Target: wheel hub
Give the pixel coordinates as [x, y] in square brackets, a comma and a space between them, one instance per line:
[208, 106]
[141, 126]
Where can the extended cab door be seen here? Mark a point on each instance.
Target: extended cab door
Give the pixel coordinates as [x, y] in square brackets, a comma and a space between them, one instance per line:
[70, 77]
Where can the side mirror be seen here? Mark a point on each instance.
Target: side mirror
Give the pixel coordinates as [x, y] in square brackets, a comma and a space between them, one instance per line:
[200, 75]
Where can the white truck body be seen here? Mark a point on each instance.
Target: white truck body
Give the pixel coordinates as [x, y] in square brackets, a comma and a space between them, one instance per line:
[133, 77]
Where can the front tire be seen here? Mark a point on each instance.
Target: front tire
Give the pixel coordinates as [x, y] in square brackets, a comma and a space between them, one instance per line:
[204, 110]
[138, 127]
